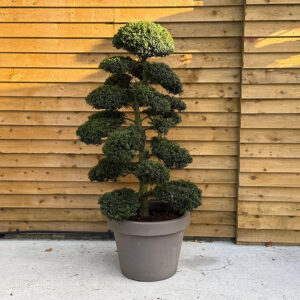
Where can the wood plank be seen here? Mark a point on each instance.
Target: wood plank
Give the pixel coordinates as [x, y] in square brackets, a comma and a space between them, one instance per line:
[214, 218]
[270, 179]
[104, 30]
[69, 133]
[269, 60]
[197, 90]
[200, 230]
[262, 236]
[76, 147]
[92, 75]
[269, 222]
[271, 76]
[270, 150]
[77, 118]
[182, 45]
[270, 136]
[273, 106]
[79, 104]
[27, 226]
[92, 60]
[265, 91]
[269, 208]
[284, 165]
[269, 194]
[264, 2]
[271, 121]
[272, 12]
[80, 161]
[89, 188]
[81, 175]
[53, 214]
[121, 15]
[117, 3]
[272, 29]
[91, 201]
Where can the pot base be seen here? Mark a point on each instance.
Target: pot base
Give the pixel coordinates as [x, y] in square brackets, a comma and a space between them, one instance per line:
[149, 251]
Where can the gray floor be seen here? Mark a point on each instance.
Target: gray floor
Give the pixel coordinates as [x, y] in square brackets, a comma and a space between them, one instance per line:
[53, 269]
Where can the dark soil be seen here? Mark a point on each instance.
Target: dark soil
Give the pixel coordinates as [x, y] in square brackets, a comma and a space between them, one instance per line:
[156, 216]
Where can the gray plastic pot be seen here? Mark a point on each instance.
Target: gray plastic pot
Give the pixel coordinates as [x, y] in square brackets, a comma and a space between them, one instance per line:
[149, 251]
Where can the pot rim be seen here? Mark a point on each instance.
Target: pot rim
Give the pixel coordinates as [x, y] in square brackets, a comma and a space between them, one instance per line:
[155, 228]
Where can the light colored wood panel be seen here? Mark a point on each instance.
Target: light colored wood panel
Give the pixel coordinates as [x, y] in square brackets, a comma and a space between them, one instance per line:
[77, 118]
[265, 2]
[262, 236]
[76, 147]
[208, 90]
[117, 3]
[182, 45]
[81, 161]
[269, 208]
[197, 90]
[270, 136]
[69, 133]
[270, 150]
[201, 230]
[92, 75]
[102, 30]
[271, 121]
[269, 222]
[271, 194]
[53, 214]
[272, 60]
[272, 29]
[272, 12]
[19, 226]
[214, 218]
[81, 174]
[269, 76]
[270, 179]
[91, 201]
[121, 15]
[285, 165]
[49, 201]
[280, 106]
[79, 104]
[92, 60]
[264, 91]
[94, 188]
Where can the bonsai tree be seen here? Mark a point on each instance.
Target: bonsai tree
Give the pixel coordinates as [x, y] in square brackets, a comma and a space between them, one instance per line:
[124, 139]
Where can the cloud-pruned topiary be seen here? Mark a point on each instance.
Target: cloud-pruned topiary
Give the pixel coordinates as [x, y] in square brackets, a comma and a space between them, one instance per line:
[124, 138]
[120, 204]
[181, 195]
[144, 39]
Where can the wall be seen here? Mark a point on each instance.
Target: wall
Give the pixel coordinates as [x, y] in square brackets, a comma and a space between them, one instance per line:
[49, 53]
[269, 191]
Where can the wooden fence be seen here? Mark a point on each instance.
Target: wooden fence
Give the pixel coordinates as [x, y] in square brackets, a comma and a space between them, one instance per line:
[49, 53]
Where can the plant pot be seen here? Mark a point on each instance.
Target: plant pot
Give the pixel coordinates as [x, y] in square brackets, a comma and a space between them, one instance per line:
[149, 251]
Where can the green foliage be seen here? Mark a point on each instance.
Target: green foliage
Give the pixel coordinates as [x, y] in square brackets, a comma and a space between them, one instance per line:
[162, 124]
[122, 145]
[152, 172]
[162, 74]
[108, 97]
[122, 65]
[176, 103]
[100, 125]
[121, 80]
[120, 204]
[144, 39]
[170, 153]
[181, 195]
[147, 96]
[108, 170]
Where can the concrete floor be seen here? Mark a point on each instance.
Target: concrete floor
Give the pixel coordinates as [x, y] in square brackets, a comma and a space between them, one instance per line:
[64, 269]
